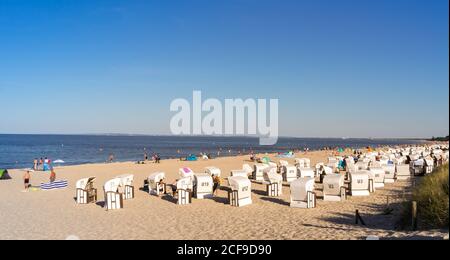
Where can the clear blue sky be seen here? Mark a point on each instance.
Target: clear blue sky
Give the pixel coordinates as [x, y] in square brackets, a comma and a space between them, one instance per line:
[358, 68]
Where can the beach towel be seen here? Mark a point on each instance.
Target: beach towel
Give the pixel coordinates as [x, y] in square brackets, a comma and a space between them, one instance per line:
[54, 185]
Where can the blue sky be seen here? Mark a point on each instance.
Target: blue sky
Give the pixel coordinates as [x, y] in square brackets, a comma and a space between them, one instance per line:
[339, 68]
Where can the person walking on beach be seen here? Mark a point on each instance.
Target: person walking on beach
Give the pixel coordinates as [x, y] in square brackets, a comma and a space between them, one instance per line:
[26, 180]
[145, 156]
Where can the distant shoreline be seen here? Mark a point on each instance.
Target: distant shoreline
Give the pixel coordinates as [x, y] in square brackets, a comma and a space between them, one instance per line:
[223, 136]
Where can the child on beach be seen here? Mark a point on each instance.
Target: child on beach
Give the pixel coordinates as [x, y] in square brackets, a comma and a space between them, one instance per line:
[26, 180]
[52, 176]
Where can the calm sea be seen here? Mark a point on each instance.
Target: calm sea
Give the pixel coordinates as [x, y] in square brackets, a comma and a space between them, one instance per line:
[18, 151]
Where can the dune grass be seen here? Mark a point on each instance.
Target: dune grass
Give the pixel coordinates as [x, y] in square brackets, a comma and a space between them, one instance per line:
[432, 197]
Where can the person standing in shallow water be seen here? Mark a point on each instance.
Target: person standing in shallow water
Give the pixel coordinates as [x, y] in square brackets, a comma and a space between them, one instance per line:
[145, 156]
[111, 158]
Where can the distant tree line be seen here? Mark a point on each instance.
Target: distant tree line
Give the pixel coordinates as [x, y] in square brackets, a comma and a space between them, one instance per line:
[440, 139]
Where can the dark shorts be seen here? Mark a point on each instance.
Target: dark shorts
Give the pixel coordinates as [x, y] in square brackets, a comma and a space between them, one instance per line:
[26, 181]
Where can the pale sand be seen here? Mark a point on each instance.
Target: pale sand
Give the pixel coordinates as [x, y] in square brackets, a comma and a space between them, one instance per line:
[55, 215]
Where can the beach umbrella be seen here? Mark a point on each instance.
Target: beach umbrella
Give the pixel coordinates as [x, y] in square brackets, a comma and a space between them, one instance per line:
[59, 162]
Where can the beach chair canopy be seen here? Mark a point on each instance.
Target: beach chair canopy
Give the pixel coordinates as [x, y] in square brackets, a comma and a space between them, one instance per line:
[272, 177]
[184, 183]
[300, 188]
[360, 180]
[332, 184]
[4, 174]
[240, 184]
[242, 173]
[83, 183]
[156, 177]
[283, 163]
[113, 185]
[186, 172]
[213, 171]
[305, 172]
[204, 182]
[127, 179]
[247, 168]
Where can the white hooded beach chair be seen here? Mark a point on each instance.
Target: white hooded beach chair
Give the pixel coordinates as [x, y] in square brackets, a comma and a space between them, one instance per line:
[429, 165]
[240, 193]
[248, 169]
[302, 193]
[333, 163]
[85, 191]
[155, 185]
[113, 197]
[417, 167]
[361, 184]
[303, 162]
[127, 185]
[377, 174]
[289, 173]
[184, 191]
[350, 165]
[305, 173]
[186, 172]
[403, 172]
[361, 165]
[258, 173]
[203, 186]
[389, 173]
[241, 173]
[213, 171]
[299, 162]
[333, 188]
[281, 165]
[273, 182]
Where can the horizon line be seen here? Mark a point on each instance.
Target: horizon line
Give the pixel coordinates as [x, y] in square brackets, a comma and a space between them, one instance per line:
[230, 136]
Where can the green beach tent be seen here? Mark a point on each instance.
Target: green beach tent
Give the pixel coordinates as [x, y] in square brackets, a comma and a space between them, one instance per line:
[4, 175]
[265, 160]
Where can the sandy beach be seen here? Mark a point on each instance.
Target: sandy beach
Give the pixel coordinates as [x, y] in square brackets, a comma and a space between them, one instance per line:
[55, 215]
